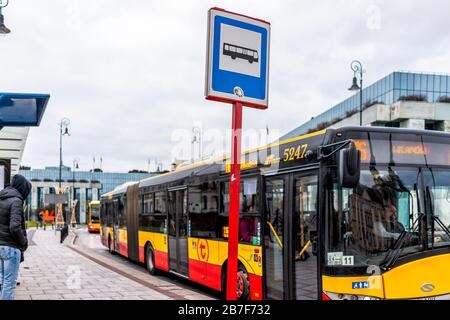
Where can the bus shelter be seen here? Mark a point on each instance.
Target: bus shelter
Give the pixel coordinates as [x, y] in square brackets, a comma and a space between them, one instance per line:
[18, 112]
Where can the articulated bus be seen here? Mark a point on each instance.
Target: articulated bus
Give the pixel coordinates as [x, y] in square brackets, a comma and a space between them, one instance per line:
[94, 216]
[354, 213]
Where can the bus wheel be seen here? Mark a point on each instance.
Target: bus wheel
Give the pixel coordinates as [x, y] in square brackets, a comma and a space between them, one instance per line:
[243, 285]
[150, 261]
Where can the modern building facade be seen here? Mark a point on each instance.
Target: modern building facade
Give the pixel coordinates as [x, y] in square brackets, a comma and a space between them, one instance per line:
[78, 185]
[401, 99]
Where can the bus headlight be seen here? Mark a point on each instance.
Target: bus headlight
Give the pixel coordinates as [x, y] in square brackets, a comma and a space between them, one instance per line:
[342, 296]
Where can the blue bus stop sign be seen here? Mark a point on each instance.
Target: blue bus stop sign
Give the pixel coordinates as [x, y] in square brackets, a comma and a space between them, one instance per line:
[22, 110]
[237, 68]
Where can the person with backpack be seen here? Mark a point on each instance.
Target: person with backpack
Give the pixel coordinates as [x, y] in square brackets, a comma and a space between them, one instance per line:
[13, 235]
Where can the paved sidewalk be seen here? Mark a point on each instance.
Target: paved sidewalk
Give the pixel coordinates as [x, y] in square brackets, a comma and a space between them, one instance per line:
[177, 289]
[53, 271]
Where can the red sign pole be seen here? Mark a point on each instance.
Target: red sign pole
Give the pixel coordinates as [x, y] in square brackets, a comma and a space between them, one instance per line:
[235, 190]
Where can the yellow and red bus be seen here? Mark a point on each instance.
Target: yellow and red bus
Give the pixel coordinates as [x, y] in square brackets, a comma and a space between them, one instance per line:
[94, 216]
[354, 213]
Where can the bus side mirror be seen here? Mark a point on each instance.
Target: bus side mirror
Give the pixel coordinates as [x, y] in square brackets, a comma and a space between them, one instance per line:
[349, 166]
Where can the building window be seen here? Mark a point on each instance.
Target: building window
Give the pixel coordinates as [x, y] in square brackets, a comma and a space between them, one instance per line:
[430, 84]
[437, 84]
[88, 194]
[443, 87]
[40, 197]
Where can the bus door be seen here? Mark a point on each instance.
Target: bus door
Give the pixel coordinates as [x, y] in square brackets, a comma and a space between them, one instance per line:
[178, 240]
[304, 256]
[290, 237]
[115, 224]
[275, 238]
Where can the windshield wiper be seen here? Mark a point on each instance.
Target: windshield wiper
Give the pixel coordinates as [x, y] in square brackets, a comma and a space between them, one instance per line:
[394, 254]
[441, 224]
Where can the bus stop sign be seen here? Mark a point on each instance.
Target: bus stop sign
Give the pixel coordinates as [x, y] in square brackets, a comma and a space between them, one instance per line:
[237, 67]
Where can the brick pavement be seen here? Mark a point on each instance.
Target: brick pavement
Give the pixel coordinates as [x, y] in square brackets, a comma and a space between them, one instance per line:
[52, 271]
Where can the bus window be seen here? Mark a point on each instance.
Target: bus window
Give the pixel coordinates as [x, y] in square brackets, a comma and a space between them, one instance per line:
[222, 218]
[160, 202]
[148, 203]
[203, 210]
[249, 229]
[149, 220]
[249, 203]
[249, 225]
[250, 222]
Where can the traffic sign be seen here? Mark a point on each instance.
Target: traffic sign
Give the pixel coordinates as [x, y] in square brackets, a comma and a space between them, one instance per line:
[237, 67]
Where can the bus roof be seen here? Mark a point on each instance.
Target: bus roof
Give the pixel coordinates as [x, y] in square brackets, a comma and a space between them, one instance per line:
[218, 164]
[213, 165]
[119, 189]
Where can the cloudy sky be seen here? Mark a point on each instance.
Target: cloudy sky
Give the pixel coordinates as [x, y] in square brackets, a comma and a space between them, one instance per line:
[130, 74]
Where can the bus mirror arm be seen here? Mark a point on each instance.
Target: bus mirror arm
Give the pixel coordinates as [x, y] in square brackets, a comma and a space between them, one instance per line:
[339, 145]
[349, 161]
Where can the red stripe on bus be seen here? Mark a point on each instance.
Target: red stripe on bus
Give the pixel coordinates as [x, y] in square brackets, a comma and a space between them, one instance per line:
[123, 249]
[214, 276]
[207, 274]
[141, 255]
[161, 260]
[255, 286]
[197, 271]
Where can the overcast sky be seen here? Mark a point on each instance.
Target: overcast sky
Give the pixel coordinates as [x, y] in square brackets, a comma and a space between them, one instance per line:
[130, 74]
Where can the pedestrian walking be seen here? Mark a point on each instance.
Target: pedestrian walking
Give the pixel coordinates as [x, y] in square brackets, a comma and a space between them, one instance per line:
[13, 235]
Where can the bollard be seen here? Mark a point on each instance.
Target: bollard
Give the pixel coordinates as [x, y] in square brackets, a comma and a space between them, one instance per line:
[64, 233]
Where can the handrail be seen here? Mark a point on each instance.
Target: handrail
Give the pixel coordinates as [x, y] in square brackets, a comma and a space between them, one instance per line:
[304, 248]
[275, 233]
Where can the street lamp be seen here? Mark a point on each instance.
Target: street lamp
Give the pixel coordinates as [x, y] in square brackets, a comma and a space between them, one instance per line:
[74, 167]
[63, 131]
[196, 137]
[3, 28]
[357, 68]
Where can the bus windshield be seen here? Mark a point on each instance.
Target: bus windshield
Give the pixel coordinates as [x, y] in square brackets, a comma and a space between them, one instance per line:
[95, 213]
[396, 208]
[365, 224]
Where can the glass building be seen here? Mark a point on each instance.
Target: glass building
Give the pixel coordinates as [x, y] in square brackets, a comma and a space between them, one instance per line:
[78, 185]
[430, 87]
[108, 180]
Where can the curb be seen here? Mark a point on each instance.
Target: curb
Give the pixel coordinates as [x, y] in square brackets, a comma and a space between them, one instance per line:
[70, 240]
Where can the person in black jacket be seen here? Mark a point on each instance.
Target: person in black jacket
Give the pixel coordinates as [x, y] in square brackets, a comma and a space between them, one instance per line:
[13, 235]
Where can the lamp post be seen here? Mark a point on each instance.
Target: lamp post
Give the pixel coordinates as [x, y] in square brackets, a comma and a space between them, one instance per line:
[63, 131]
[357, 68]
[74, 167]
[3, 28]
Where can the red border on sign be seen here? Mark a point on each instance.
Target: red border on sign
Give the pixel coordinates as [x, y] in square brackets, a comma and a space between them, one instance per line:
[246, 104]
[239, 14]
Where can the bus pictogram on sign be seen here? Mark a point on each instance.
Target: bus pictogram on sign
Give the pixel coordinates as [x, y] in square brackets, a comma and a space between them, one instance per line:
[235, 51]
